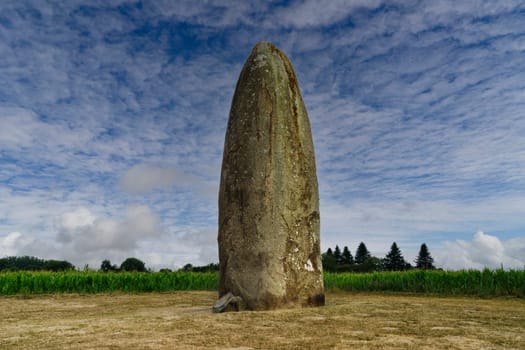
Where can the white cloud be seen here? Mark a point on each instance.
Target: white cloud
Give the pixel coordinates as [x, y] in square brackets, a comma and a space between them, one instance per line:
[22, 129]
[203, 243]
[83, 232]
[80, 218]
[215, 13]
[515, 249]
[313, 13]
[19, 125]
[417, 215]
[9, 243]
[143, 178]
[483, 251]
[18, 244]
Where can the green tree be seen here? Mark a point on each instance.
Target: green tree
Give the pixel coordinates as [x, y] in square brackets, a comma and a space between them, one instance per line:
[337, 255]
[347, 257]
[133, 264]
[187, 268]
[371, 264]
[394, 260]
[329, 262]
[361, 254]
[107, 267]
[22, 263]
[58, 265]
[211, 267]
[31, 263]
[424, 259]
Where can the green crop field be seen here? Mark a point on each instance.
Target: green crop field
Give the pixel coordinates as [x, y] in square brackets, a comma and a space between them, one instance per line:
[99, 282]
[471, 282]
[465, 282]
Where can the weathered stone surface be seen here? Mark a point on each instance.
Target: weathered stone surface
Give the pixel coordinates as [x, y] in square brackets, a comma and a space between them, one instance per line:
[269, 249]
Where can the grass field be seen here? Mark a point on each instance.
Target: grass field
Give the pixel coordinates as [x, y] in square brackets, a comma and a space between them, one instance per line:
[183, 320]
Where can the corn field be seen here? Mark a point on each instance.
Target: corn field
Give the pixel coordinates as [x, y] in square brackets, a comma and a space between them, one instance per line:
[465, 282]
[99, 282]
[470, 283]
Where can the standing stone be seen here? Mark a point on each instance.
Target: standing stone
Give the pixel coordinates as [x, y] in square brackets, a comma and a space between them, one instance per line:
[269, 249]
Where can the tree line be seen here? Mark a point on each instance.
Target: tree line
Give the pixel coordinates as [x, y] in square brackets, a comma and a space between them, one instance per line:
[343, 261]
[134, 264]
[333, 261]
[128, 265]
[30, 263]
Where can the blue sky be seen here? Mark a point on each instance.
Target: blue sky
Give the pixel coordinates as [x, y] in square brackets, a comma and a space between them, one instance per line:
[113, 115]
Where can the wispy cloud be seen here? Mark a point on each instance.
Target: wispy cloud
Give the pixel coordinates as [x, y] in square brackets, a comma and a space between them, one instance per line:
[313, 13]
[143, 178]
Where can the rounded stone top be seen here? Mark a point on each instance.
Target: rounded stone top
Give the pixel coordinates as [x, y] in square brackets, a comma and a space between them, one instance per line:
[266, 47]
[266, 55]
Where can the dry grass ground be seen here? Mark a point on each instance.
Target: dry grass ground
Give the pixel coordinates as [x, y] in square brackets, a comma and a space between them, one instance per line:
[183, 320]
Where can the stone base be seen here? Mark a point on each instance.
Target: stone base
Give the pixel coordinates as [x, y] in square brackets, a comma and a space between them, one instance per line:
[229, 302]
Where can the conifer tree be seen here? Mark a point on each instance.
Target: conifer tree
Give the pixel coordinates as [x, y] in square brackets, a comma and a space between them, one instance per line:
[362, 254]
[328, 260]
[394, 260]
[337, 255]
[347, 257]
[424, 259]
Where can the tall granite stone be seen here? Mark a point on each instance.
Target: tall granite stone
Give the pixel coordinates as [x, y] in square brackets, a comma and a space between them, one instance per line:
[269, 249]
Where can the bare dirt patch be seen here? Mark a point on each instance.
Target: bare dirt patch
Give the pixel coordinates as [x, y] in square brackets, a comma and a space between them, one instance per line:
[183, 320]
